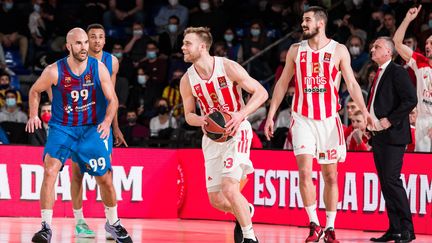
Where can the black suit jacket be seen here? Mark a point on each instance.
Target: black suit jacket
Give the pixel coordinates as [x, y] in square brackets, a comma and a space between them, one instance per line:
[395, 98]
[39, 137]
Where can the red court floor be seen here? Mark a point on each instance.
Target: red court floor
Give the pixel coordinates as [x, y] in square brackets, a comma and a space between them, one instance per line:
[14, 230]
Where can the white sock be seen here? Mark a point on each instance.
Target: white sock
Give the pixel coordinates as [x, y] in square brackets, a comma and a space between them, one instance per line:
[248, 232]
[331, 216]
[47, 216]
[111, 214]
[311, 211]
[78, 214]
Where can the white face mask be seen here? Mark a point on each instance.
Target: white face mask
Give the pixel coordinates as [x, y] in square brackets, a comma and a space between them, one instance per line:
[354, 50]
[142, 79]
[173, 2]
[204, 6]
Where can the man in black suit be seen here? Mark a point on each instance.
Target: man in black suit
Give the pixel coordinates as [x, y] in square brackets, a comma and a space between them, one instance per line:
[391, 98]
[39, 137]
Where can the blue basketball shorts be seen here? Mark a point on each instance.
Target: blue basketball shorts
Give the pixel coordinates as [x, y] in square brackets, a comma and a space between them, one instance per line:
[83, 144]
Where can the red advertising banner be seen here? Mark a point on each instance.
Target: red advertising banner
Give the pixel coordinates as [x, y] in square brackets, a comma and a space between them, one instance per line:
[274, 190]
[145, 183]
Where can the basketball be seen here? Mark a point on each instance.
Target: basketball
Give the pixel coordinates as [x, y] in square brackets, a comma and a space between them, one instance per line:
[215, 127]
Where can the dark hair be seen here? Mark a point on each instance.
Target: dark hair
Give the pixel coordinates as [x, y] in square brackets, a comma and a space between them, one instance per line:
[95, 26]
[6, 74]
[174, 17]
[12, 92]
[319, 13]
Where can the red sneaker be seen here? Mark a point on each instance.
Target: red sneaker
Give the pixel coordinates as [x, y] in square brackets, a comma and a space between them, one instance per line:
[315, 233]
[330, 236]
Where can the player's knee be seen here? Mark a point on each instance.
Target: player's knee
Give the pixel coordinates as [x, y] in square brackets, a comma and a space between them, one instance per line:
[229, 190]
[50, 172]
[305, 175]
[215, 200]
[330, 178]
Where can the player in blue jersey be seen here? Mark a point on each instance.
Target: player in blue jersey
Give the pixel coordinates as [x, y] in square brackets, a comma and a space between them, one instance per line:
[96, 35]
[84, 105]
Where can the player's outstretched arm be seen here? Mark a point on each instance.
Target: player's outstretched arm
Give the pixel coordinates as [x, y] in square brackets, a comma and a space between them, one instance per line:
[239, 75]
[109, 92]
[48, 77]
[280, 89]
[189, 103]
[351, 83]
[404, 51]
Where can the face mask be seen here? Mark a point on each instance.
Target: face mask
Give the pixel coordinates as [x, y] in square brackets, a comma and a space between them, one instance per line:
[37, 8]
[255, 32]
[8, 6]
[118, 54]
[229, 37]
[172, 28]
[142, 79]
[46, 116]
[162, 110]
[131, 119]
[138, 33]
[10, 102]
[173, 2]
[4, 86]
[204, 6]
[354, 50]
[151, 54]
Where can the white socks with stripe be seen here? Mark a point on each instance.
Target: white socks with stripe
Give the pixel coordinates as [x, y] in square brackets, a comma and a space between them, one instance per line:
[311, 211]
[47, 215]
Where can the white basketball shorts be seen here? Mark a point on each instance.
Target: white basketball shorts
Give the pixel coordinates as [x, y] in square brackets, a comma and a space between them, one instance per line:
[324, 139]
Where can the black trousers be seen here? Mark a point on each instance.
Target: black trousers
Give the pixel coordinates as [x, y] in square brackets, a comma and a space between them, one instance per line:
[388, 162]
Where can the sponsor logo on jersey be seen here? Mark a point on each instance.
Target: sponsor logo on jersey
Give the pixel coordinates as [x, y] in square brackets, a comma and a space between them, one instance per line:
[198, 90]
[321, 156]
[327, 57]
[317, 80]
[303, 56]
[88, 81]
[315, 90]
[222, 82]
[67, 82]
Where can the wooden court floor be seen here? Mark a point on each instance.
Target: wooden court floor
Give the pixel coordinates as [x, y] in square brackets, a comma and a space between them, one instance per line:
[14, 230]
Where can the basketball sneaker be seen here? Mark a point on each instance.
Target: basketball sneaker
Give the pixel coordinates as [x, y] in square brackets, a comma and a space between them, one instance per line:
[247, 240]
[108, 236]
[238, 233]
[118, 232]
[315, 233]
[82, 230]
[44, 235]
[330, 236]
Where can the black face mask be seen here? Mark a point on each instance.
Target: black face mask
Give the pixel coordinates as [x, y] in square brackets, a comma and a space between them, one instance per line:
[4, 86]
[175, 82]
[132, 120]
[162, 110]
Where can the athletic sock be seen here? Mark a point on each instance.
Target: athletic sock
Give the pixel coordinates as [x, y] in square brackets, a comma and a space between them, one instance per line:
[47, 216]
[111, 214]
[311, 211]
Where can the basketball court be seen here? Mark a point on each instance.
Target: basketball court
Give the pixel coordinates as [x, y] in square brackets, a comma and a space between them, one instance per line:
[14, 230]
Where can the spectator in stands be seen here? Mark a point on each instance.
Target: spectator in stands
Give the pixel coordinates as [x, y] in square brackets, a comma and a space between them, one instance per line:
[173, 8]
[279, 69]
[219, 49]
[36, 24]
[39, 137]
[171, 38]
[136, 46]
[233, 46]
[11, 112]
[412, 120]
[258, 117]
[355, 46]
[5, 85]
[358, 138]
[210, 15]
[367, 75]
[12, 28]
[156, 68]
[3, 136]
[123, 11]
[134, 133]
[126, 67]
[163, 120]
[389, 26]
[137, 93]
[172, 92]
[93, 11]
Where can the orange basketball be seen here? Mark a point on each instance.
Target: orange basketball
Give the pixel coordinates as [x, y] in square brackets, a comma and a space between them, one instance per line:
[215, 127]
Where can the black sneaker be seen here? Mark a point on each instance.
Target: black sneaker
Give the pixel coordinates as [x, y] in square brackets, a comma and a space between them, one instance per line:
[118, 232]
[238, 233]
[247, 240]
[44, 235]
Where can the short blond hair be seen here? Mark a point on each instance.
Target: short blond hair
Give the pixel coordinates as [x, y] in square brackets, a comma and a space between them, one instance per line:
[203, 33]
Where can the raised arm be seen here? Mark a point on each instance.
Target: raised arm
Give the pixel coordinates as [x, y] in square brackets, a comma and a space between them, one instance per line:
[351, 83]
[189, 103]
[48, 78]
[110, 96]
[280, 89]
[404, 51]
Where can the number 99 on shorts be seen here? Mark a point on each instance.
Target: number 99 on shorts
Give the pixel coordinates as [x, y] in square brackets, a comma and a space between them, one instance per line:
[97, 164]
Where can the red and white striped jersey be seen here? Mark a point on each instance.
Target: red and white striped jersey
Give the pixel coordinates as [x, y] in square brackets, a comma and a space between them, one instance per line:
[423, 71]
[317, 82]
[218, 92]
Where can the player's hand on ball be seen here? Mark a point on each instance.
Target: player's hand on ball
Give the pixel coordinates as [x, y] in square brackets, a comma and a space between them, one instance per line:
[233, 124]
[33, 124]
[268, 128]
[104, 129]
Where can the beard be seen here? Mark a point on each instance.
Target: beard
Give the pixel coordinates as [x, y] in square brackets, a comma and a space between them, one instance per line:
[77, 55]
[313, 32]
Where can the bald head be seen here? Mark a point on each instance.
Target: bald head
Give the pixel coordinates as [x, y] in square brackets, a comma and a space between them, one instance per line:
[77, 43]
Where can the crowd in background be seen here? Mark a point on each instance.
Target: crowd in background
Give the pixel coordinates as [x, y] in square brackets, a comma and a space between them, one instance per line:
[146, 37]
